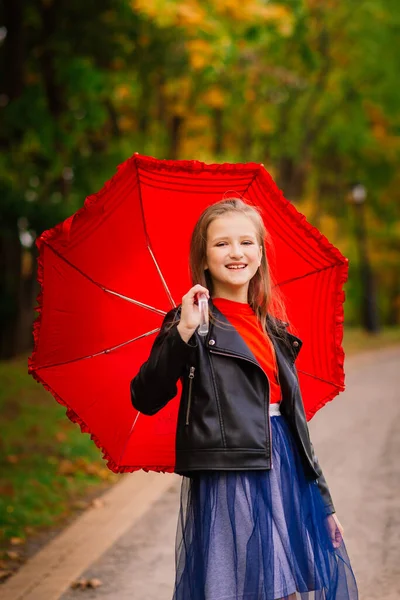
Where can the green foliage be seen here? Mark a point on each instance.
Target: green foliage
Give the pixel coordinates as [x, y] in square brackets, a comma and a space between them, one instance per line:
[307, 87]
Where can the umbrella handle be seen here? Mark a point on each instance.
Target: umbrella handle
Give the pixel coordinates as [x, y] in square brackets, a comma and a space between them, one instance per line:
[203, 307]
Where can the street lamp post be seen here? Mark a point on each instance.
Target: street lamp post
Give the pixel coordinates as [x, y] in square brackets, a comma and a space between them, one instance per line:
[369, 309]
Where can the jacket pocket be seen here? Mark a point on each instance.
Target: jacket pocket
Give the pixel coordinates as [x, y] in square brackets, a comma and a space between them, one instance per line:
[190, 391]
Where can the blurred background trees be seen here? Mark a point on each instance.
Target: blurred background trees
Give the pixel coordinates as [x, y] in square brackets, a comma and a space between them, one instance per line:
[307, 87]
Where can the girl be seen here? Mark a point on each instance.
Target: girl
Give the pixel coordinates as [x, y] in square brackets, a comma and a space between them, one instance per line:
[256, 519]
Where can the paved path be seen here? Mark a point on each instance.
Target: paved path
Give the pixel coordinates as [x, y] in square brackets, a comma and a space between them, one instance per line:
[357, 440]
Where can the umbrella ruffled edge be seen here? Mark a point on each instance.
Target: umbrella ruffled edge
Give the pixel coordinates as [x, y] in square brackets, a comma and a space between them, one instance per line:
[72, 416]
[339, 354]
[342, 271]
[158, 164]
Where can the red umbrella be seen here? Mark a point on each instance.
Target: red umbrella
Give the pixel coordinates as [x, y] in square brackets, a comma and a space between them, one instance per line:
[111, 271]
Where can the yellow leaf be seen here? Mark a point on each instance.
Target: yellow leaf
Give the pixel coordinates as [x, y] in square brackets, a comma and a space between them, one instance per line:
[214, 97]
[122, 92]
[285, 27]
[104, 473]
[17, 541]
[92, 469]
[200, 53]
[86, 583]
[273, 12]
[126, 123]
[12, 458]
[60, 436]
[250, 95]
[190, 14]
[198, 61]
[97, 503]
[66, 467]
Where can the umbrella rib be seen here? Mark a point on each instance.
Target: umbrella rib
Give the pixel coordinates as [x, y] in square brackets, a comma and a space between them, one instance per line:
[106, 351]
[251, 182]
[148, 244]
[307, 274]
[319, 378]
[147, 306]
[129, 436]
[141, 304]
[162, 277]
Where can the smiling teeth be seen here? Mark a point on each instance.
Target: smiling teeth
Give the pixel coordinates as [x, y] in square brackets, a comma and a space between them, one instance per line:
[237, 267]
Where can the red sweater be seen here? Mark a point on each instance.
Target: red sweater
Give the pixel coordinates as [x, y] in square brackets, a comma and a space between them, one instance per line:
[244, 319]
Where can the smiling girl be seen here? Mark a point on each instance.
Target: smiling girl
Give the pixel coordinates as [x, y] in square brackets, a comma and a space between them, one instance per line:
[256, 519]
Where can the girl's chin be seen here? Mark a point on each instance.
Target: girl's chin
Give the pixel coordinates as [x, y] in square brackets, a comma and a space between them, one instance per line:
[235, 281]
[239, 275]
[234, 277]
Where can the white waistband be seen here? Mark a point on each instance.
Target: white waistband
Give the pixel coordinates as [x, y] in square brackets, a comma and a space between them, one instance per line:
[274, 409]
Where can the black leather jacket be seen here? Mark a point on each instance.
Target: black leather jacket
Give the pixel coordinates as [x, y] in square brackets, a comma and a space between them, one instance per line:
[223, 420]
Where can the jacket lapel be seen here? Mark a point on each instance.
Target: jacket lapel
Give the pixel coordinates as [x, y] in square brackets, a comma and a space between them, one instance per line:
[226, 338]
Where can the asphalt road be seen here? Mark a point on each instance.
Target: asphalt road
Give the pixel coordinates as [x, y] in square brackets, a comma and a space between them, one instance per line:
[357, 440]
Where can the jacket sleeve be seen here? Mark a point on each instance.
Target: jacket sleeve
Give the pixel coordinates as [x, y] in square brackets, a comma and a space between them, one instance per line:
[156, 382]
[323, 486]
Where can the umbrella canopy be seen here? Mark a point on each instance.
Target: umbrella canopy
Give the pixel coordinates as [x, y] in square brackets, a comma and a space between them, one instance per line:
[111, 271]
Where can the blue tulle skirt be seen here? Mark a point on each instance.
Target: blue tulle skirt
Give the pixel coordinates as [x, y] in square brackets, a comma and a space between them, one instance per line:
[259, 535]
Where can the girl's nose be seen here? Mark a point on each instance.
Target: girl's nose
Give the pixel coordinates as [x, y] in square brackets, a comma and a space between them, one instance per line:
[236, 251]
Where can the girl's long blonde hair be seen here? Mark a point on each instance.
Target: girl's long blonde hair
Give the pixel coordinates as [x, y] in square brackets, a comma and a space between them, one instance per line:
[263, 295]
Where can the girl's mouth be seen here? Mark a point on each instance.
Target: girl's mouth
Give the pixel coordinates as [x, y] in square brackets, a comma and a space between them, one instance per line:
[236, 267]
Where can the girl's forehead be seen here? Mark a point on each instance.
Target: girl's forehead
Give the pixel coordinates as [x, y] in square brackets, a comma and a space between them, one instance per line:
[232, 224]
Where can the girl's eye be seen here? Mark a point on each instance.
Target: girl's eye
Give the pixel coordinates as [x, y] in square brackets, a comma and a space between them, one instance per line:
[248, 242]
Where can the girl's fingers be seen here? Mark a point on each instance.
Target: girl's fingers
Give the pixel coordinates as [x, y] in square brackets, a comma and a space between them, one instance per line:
[196, 289]
[334, 531]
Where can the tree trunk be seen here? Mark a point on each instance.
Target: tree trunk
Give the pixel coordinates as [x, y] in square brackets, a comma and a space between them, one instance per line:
[18, 292]
[218, 131]
[175, 137]
[10, 277]
[393, 291]
[14, 49]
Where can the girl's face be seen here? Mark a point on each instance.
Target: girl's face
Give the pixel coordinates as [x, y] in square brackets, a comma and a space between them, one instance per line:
[233, 254]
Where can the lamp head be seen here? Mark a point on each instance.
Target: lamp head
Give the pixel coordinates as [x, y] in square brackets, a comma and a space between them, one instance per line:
[358, 193]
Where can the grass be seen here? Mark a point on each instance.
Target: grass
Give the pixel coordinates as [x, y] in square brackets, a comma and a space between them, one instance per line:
[356, 340]
[48, 466]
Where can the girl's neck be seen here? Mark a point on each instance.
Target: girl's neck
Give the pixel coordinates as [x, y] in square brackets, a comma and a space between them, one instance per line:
[239, 295]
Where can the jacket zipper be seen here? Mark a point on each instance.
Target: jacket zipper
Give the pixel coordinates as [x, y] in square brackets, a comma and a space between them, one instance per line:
[191, 377]
[260, 367]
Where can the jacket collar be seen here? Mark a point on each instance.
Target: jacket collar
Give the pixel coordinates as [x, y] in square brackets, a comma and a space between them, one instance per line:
[226, 339]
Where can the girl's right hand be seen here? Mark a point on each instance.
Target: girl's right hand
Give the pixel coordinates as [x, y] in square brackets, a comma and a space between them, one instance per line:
[190, 313]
